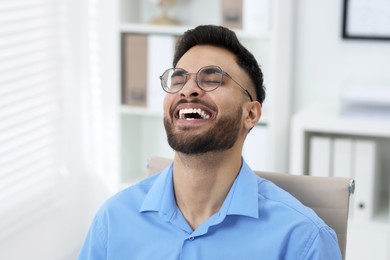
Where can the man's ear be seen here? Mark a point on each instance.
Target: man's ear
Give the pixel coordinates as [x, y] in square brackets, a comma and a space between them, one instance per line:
[253, 114]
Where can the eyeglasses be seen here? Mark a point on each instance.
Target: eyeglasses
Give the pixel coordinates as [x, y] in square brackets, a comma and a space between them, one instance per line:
[208, 79]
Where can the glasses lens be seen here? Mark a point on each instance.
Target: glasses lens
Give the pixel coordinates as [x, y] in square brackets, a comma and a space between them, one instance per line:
[210, 78]
[173, 80]
[207, 78]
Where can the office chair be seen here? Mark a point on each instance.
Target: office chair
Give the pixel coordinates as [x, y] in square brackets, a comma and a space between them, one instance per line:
[327, 196]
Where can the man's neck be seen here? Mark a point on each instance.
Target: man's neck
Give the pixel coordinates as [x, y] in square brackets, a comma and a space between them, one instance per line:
[202, 182]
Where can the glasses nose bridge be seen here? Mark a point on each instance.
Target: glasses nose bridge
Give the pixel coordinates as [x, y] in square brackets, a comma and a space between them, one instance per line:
[194, 76]
[192, 90]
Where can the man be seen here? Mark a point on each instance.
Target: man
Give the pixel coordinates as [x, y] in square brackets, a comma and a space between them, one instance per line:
[208, 204]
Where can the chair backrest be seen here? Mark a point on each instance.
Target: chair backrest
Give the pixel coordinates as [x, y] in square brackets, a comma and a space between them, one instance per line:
[327, 196]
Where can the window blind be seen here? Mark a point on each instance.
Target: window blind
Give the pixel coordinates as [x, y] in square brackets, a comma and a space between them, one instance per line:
[30, 108]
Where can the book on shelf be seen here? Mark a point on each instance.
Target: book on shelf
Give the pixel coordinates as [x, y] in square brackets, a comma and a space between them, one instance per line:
[231, 13]
[342, 157]
[134, 70]
[256, 14]
[145, 58]
[350, 157]
[342, 161]
[365, 169]
[160, 55]
[320, 156]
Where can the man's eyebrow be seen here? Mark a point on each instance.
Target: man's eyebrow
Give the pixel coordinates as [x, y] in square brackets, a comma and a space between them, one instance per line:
[179, 72]
[212, 70]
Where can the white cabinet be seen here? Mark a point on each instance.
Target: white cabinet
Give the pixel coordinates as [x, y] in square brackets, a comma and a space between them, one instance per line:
[369, 221]
[367, 241]
[142, 134]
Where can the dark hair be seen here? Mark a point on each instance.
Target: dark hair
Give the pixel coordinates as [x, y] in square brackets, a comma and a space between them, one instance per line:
[220, 36]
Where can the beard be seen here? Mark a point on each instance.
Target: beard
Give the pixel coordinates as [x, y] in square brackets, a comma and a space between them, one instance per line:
[222, 136]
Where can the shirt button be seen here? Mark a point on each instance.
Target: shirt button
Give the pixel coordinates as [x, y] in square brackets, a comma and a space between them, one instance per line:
[191, 238]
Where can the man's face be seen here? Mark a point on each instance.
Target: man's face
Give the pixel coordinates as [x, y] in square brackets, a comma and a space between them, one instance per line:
[197, 121]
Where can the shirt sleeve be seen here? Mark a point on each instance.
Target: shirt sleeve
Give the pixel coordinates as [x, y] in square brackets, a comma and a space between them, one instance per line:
[94, 247]
[324, 246]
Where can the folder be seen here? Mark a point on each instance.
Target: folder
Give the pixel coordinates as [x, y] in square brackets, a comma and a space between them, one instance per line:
[365, 169]
[343, 161]
[160, 55]
[320, 156]
[342, 157]
[256, 15]
[134, 73]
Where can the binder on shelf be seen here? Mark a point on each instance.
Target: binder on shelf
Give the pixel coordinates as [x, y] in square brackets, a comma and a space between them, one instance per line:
[255, 16]
[255, 148]
[343, 161]
[232, 13]
[320, 156]
[365, 169]
[160, 54]
[342, 157]
[134, 73]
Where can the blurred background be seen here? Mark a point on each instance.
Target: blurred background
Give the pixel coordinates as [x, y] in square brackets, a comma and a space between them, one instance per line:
[80, 106]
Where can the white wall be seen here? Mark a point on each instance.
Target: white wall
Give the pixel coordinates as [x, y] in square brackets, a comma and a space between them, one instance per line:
[58, 232]
[55, 234]
[324, 62]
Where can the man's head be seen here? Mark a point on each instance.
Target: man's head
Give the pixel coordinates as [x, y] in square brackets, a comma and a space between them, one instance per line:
[223, 37]
[212, 103]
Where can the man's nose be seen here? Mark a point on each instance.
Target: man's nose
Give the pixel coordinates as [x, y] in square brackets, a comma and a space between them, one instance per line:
[191, 87]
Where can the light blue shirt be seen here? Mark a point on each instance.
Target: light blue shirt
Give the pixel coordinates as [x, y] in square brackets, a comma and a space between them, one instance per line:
[257, 220]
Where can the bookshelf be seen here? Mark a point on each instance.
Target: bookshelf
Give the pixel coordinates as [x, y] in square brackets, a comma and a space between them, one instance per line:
[324, 121]
[142, 134]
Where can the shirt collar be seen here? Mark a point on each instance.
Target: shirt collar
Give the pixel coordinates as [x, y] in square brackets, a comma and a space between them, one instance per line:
[161, 197]
[242, 198]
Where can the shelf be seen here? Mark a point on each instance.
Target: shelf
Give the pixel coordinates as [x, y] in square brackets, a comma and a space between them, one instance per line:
[180, 29]
[326, 119]
[152, 29]
[141, 128]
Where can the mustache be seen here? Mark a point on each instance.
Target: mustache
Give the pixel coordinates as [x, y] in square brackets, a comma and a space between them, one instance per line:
[192, 101]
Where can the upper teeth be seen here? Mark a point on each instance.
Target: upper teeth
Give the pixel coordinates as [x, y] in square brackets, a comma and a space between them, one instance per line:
[198, 111]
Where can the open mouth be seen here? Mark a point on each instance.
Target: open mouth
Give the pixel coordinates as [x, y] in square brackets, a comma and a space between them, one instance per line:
[193, 113]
